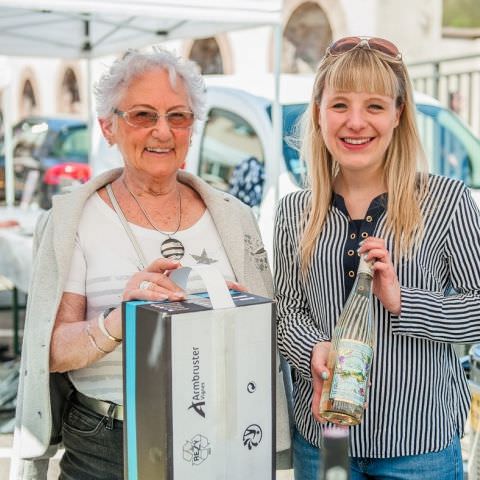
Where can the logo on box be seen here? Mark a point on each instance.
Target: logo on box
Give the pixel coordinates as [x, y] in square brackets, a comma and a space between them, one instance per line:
[252, 436]
[198, 387]
[196, 450]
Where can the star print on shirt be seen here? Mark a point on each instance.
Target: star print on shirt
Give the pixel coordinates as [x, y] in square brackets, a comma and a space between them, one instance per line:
[203, 258]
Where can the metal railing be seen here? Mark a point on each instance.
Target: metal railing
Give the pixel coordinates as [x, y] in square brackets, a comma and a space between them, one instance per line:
[455, 82]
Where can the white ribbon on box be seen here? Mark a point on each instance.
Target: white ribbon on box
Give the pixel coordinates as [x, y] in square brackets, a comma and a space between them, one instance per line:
[220, 298]
[214, 282]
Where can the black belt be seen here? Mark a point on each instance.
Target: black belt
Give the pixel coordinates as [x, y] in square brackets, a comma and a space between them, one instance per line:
[106, 409]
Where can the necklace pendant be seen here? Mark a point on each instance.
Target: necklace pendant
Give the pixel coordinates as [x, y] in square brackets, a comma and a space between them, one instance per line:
[172, 248]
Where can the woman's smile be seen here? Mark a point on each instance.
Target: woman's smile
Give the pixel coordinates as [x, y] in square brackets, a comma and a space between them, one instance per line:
[158, 152]
[356, 143]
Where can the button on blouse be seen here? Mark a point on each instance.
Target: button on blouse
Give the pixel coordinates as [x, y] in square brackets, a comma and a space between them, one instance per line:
[358, 230]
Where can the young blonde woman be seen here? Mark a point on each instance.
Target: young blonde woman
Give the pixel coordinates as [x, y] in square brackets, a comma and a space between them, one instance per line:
[368, 193]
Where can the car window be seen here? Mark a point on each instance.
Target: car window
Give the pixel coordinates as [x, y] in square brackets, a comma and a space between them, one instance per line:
[232, 157]
[28, 137]
[291, 116]
[291, 141]
[449, 145]
[72, 144]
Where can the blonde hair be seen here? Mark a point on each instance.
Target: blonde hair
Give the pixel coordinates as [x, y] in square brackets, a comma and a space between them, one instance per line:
[365, 70]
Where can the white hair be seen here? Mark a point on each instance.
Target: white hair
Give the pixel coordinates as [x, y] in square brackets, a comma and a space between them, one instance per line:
[113, 84]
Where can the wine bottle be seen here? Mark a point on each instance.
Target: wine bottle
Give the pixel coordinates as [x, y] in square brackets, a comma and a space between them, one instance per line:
[350, 359]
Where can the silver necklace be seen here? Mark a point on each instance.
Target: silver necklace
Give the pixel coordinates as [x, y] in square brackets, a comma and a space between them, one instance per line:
[171, 247]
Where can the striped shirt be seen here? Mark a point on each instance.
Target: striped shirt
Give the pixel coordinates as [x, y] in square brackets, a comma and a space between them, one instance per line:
[419, 396]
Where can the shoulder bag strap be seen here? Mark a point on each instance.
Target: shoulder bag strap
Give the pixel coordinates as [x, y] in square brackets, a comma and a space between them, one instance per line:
[126, 226]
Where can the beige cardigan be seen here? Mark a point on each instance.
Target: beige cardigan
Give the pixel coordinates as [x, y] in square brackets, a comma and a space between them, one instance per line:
[38, 395]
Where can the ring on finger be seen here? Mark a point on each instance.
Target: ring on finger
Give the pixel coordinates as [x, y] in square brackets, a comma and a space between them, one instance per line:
[145, 285]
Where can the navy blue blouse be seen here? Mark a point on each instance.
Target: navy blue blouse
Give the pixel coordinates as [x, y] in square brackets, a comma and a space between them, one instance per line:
[358, 230]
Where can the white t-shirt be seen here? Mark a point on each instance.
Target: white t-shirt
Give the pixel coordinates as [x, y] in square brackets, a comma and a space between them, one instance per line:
[104, 259]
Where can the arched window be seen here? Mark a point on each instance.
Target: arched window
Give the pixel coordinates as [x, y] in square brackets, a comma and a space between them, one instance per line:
[206, 53]
[70, 96]
[306, 36]
[29, 102]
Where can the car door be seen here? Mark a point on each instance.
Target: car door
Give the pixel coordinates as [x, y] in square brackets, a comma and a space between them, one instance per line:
[231, 150]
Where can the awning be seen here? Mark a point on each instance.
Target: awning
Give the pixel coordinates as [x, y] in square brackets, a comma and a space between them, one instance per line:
[94, 28]
[82, 28]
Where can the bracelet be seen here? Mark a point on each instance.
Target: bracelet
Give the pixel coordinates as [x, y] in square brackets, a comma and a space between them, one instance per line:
[103, 328]
[93, 341]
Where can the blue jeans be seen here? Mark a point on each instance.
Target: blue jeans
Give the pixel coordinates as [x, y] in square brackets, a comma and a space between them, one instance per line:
[306, 458]
[443, 465]
[93, 445]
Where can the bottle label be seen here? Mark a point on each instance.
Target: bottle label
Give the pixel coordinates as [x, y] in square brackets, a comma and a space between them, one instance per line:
[349, 382]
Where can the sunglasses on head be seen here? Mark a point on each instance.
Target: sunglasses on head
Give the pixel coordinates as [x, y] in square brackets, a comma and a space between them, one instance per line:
[376, 44]
[145, 118]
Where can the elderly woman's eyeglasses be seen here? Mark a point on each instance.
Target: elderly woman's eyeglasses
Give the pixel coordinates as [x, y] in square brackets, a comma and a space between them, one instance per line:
[377, 44]
[143, 118]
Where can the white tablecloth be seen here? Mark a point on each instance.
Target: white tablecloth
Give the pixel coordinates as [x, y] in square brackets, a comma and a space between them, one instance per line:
[16, 246]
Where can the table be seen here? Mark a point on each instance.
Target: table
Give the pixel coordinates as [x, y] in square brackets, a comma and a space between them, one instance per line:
[16, 257]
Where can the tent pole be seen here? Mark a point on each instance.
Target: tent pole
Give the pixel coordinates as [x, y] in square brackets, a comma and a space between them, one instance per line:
[87, 51]
[277, 111]
[8, 145]
[89, 109]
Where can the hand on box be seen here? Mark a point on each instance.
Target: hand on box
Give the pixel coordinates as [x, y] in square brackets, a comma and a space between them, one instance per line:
[236, 286]
[153, 284]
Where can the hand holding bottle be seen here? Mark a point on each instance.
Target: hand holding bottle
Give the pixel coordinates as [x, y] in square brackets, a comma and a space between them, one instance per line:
[320, 372]
[386, 286]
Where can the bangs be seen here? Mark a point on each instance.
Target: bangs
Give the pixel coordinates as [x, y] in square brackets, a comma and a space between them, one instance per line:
[362, 71]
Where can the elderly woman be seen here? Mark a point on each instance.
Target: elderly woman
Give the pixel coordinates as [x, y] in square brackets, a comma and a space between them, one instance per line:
[115, 239]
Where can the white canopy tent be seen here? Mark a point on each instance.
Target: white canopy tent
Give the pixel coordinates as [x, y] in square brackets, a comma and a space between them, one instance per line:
[94, 28]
